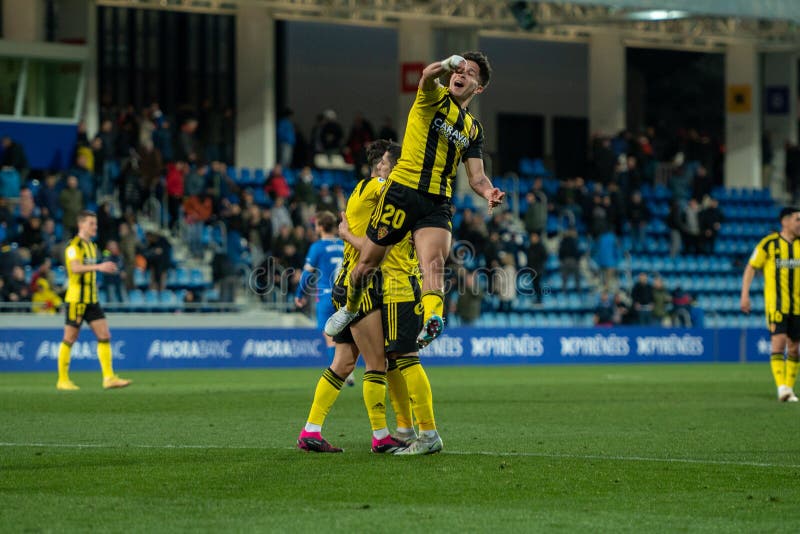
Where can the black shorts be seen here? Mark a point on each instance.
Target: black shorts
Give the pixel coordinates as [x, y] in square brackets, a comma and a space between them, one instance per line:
[402, 209]
[402, 322]
[78, 312]
[779, 323]
[371, 301]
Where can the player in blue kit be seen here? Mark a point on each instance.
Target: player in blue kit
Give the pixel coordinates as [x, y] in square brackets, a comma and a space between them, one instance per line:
[322, 265]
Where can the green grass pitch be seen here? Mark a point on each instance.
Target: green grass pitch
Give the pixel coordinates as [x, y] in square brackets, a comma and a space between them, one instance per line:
[659, 448]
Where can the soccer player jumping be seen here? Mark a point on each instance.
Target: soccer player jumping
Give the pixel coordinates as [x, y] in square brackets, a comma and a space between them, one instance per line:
[417, 197]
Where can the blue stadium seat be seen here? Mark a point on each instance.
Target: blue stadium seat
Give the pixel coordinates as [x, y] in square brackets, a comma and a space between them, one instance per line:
[151, 299]
[136, 300]
[259, 178]
[140, 278]
[196, 278]
[10, 183]
[169, 299]
[245, 176]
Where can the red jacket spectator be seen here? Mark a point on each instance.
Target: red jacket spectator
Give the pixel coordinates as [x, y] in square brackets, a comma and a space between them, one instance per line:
[175, 175]
[277, 187]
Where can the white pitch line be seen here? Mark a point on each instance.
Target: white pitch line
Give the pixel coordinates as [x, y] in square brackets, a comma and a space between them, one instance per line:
[502, 454]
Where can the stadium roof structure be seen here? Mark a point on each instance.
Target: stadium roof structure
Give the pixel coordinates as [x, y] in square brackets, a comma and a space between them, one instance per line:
[770, 24]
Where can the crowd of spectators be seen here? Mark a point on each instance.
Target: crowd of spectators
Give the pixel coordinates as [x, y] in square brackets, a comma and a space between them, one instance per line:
[182, 160]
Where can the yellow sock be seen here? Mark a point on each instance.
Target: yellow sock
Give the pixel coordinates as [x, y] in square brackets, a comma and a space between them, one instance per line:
[63, 361]
[433, 302]
[353, 297]
[104, 355]
[419, 390]
[791, 371]
[328, 388]
[375, 398]
[398, 395]
[778, 368]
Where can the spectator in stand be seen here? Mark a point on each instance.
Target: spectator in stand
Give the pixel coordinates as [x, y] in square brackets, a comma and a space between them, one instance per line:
[86, 182]
[107, 224]
[361, 134]
[622, 309]
[674, 222]
[280, 216]
[218, 184]
[662, 301]
[692, 238]
[536, 213]
[470, 298]
[71, 201]
[630, 177]
[158, 253]
[604, 311]
[304, 193]
[615, 207]
[106, 155]
[176, 173]
[44, 299]
[47, 197]
[146, 128]
[277, 186]
[128, 248]
[27, 207]
[223, 274]
[14, 157]
[16, 289]
[638, 217]
[598, 222]
[569, 256]
[31, 239]
[701, 183]
[608, 255]
[603, 159]
[197, 210]
[258, 230]
[186, 145]
[711, 219]
[112, 282]
[680, 180]
[537, 260]
[387, 130]
[507, 290]
[643, 298]
[162, 141]
[681, 308]
[151, 167]
[194, 183]
[287, 139]
[331, 134]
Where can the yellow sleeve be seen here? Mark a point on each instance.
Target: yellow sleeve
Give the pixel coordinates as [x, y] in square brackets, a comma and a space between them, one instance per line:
[759, 256]
[430, 98]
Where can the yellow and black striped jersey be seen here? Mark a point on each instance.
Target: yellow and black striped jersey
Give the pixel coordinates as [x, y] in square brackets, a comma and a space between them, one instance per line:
[401, 260]
[780, 261]
[81, 287]
[439, 135]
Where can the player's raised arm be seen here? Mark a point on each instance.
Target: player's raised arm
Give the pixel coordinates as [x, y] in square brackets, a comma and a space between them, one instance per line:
[481, 183]
[431, 73]
[79, 268]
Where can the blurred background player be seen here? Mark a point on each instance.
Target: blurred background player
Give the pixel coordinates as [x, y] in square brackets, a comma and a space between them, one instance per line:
[417, 197]
[778, 256]
[364, 334]
[322, 265]
[82, 305]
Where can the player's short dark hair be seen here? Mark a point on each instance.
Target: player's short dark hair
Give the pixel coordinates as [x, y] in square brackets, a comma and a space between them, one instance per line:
[85, 214]
[788, 210]
[326, 220]
[483, 64]
[375, 151]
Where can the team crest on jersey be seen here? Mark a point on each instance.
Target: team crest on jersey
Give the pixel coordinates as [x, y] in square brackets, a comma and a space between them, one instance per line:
[473, 130]
[382, 231]
[419, 308]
